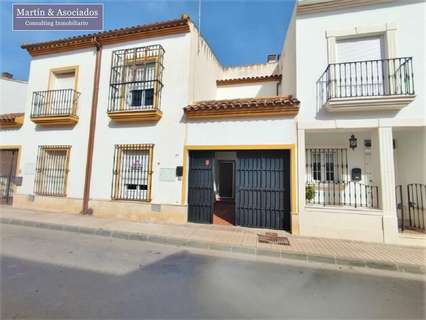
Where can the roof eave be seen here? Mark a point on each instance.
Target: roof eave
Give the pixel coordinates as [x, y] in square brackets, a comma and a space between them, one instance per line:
[109, 37]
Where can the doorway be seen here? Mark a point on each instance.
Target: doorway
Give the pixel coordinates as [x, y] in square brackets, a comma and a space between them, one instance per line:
[248, 188]
[8, 166]
[224, 207]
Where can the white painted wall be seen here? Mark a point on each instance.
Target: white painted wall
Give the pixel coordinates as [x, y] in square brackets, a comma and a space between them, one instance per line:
[338, 223]
[167, 135]
[247, 90]
[12, 99]
[410, 155]
[33, 136]
[204, 68]
[287, 63]
[251, 70]
[312, 55]
[242, 131]
[12, 95]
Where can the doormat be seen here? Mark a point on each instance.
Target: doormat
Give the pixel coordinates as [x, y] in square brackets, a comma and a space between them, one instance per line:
[273, 238]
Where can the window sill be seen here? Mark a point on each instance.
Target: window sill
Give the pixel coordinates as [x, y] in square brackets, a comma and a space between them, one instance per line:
[117, 199]
[135, 115]
[55, 120]
[50, 195]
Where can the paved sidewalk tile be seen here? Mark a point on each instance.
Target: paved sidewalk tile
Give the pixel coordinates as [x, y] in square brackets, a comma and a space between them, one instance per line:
[231, 239]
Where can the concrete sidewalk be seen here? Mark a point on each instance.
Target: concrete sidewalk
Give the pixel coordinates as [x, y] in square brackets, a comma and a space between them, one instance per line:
[234, 239]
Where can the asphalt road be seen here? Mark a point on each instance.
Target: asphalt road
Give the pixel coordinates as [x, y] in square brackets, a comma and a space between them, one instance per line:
[54, 274]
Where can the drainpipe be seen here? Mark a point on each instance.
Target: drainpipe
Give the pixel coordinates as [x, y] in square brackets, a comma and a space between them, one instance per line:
[278, 87]
[91, 140]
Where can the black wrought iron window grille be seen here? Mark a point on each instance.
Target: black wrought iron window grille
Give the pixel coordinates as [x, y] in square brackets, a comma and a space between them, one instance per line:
[52, 170]
[326, 165]
[136, 79]
[132, 172]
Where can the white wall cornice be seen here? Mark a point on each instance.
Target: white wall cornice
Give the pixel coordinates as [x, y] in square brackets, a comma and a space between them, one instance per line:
[359, 124]
[315, 6]
[360, 30]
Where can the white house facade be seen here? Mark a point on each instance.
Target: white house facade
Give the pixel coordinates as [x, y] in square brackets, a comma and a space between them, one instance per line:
[358, 70]
[144, 123]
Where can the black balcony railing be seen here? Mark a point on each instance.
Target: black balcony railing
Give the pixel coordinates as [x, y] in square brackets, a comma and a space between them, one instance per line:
[61, 102]
[371, 78]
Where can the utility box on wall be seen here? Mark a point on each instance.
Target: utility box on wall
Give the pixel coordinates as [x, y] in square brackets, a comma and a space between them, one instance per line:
[179, 171]
[356, 174]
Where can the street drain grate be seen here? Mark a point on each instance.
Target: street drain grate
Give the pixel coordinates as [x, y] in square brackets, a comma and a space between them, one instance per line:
[273, 238]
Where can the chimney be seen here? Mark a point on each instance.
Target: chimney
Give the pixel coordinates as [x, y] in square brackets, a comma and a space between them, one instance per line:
[6, 75]
[272, 58]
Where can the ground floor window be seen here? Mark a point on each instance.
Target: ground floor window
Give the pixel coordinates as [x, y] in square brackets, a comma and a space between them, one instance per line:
[326, 165]
[132, 172]
[52, 170]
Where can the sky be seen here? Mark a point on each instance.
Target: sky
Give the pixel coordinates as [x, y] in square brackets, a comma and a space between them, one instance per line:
[238, 31]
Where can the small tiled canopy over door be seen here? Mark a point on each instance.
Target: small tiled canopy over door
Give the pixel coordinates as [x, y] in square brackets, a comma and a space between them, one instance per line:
[200, 187]
[263, 189]
[8, 161]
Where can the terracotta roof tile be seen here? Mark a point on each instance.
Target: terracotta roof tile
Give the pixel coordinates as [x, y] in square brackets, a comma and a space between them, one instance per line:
[9, 120]
[111, 36]
[10, 116]
[244, 107]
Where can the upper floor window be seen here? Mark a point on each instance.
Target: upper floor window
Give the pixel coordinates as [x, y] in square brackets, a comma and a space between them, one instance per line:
[363, 64]
[136, 75]
[360, 66]
[58, 104]
[360, 49]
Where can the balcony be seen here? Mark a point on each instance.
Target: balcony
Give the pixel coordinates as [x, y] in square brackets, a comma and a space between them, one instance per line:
[135, 101]
[135, 84]
[386, 84]
[55, 107]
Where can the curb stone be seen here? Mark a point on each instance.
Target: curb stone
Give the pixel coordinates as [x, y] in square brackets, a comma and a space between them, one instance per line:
[268, 253]
[244, 250]
[381, 265]
[200, 244]
[350, 262]
[322, 259]
[294, 256]
[411, 269]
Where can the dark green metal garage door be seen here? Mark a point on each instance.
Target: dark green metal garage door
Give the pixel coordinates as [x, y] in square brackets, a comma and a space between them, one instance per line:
[263, 189]
[200, 187]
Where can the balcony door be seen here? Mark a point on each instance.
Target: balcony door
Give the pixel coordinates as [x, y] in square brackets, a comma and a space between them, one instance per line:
[360, 67]
[61, 91]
